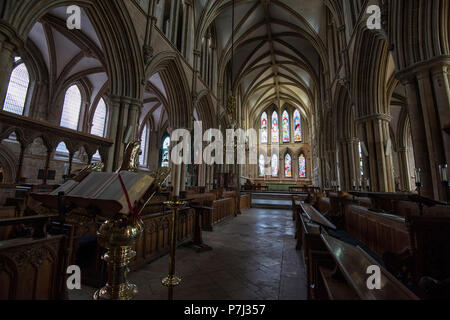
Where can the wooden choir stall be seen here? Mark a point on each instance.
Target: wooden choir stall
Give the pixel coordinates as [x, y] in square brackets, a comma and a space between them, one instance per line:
[343, 234]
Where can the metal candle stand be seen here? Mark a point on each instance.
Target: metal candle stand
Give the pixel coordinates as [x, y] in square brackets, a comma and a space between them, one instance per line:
[172, 280]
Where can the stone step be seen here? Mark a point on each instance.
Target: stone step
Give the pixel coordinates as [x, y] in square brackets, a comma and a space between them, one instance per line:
[272, 204]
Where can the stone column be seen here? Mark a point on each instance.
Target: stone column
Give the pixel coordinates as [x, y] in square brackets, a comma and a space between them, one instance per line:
[428, 95]
[159, 13]
[6, 65]
[20, 164]
[404, 172]
[376, 134]
[174, 14]
[440, 80]
[124, 117]
[47, 166]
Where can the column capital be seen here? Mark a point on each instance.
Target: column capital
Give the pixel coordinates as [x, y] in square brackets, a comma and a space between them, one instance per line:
[414, 70]
[375, 116]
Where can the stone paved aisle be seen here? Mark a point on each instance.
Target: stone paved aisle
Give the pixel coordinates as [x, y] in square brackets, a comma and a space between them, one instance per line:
[254, 258]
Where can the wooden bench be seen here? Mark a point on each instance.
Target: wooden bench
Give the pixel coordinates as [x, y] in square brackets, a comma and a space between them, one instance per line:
[347, 280]
[380, 233]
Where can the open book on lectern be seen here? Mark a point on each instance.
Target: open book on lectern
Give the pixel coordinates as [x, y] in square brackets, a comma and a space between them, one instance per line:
[102, 190]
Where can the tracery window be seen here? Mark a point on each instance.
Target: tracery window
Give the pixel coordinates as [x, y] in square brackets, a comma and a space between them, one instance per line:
[99, 119]
[297, 127]
[17, 89]
[275, 164]
[286, 127]
[144, 146]
[275, 128]
[71, 109]
[262, 165]
[165, 152]
[288, 166]
[264, 128]
[302, 166]
[361, 161]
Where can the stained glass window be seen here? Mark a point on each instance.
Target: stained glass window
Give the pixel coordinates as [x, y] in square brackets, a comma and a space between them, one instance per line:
[165, 152]
[99, 120]
[17, 89]
[144, 147]
[286, 129]
[275, 128]
[297, 127]
[71, 108]
[262, 165]
[264, 128]
[361, 162]
[275, 165]
[302, 166]
[288, 166]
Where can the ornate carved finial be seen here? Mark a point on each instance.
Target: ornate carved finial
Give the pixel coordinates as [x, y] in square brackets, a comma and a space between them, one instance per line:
[93, 167]
[130, 158]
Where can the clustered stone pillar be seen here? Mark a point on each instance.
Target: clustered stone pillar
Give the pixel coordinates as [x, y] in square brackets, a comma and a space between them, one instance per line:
[376, 135]
[428, 94]
[124, 122]
[350, 163]
[404, 172]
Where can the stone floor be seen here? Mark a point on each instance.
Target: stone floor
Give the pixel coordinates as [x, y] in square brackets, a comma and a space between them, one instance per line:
[253, 258]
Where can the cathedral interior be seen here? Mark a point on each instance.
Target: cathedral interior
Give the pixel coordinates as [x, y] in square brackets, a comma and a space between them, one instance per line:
[347, 198]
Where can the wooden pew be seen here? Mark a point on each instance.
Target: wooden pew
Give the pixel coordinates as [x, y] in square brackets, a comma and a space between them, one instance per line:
[314, 252]
[381, 233]
[6, 213]
[348, 279]
[34, 268]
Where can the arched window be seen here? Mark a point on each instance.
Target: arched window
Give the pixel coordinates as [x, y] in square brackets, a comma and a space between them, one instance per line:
[71, 109]
[17, 89]
[302, 166]
[165, 152]
[275, 164]
[361, 161]
[144, 147]
[61, 149]
[286, 128]
[262, 165]
[275, 128]
[297, 127]
[97, 156]
[288, 166]
[264, 128]
[99, 119]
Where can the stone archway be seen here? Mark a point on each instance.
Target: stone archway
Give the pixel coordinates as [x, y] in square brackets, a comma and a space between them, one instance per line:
[8, 162]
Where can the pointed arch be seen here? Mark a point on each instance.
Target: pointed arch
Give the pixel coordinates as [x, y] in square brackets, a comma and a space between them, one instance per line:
[169, 66]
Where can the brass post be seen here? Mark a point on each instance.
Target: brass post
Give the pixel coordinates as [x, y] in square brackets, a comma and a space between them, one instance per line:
[172, 280]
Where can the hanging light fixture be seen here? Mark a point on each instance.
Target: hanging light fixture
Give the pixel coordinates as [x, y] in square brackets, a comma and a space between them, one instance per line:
[231, 101]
